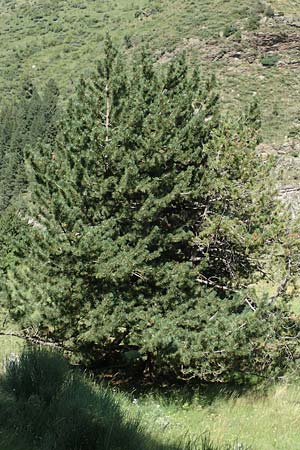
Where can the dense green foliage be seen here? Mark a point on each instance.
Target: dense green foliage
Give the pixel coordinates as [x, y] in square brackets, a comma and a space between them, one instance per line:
[46, 406]
[150, 217]
[22, 123]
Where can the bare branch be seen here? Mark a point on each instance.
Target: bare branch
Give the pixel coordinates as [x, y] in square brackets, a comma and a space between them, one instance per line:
[36, 340]
[214, 285]
[250, 304]
[107, 116]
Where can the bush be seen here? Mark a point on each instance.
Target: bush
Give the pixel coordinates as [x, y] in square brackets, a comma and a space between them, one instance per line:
[269, 11]
[253, 22]
[238, 36]
[269, 60]
[127, 41]
[229, 30]
[37, 372]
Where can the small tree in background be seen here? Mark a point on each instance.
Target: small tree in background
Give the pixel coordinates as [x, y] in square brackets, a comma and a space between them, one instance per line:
[151, 219]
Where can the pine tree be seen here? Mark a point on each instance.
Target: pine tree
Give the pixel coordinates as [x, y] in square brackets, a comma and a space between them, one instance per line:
[23, 123]
[150, 214]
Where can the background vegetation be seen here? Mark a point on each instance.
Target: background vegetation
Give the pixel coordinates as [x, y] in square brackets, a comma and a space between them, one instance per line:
[46, 40]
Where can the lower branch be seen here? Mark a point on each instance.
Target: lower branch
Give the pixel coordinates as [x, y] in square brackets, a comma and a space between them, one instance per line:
[37, 340]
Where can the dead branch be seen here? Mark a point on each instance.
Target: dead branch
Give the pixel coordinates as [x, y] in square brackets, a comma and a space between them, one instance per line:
[251, 306]
[107, 121]
[36, 340]
[214, 285]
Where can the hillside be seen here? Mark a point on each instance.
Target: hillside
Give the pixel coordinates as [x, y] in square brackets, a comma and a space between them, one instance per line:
[62, 39]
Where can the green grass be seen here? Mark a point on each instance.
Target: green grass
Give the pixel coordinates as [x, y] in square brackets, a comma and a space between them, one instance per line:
[44, 405]
[40, 392]
[61, 40]
[8, 344]
[269, 421]
[288, 6]
[71, 33]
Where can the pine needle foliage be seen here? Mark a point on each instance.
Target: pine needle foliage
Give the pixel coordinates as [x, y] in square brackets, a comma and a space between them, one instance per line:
[151, 216]
[23, 122]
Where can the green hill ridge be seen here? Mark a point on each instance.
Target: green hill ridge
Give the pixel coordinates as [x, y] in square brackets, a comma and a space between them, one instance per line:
[252, 46]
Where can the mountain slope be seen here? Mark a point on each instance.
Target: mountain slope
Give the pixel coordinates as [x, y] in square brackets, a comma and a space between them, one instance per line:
[61, 39]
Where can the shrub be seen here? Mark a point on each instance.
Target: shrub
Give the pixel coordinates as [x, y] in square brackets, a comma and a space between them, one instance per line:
[253, 22]
[127, 41]
[238, 36]
[269, 11]
[229, 30]
[37, 372]
[269, 60]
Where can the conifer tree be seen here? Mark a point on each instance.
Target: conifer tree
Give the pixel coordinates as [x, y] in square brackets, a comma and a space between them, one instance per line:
[150, 215]
[22, 123]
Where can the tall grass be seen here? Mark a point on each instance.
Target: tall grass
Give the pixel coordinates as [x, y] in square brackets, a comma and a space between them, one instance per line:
[261, 419]
[45, 405]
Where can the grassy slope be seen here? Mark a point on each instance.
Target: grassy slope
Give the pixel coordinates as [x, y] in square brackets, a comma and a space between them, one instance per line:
[62, 39]
[258, 420]
[262, 422]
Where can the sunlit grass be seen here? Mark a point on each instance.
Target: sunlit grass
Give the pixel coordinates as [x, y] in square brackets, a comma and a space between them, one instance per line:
[287, 6]
[8, 344]
[261, 419]
[264, 422]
